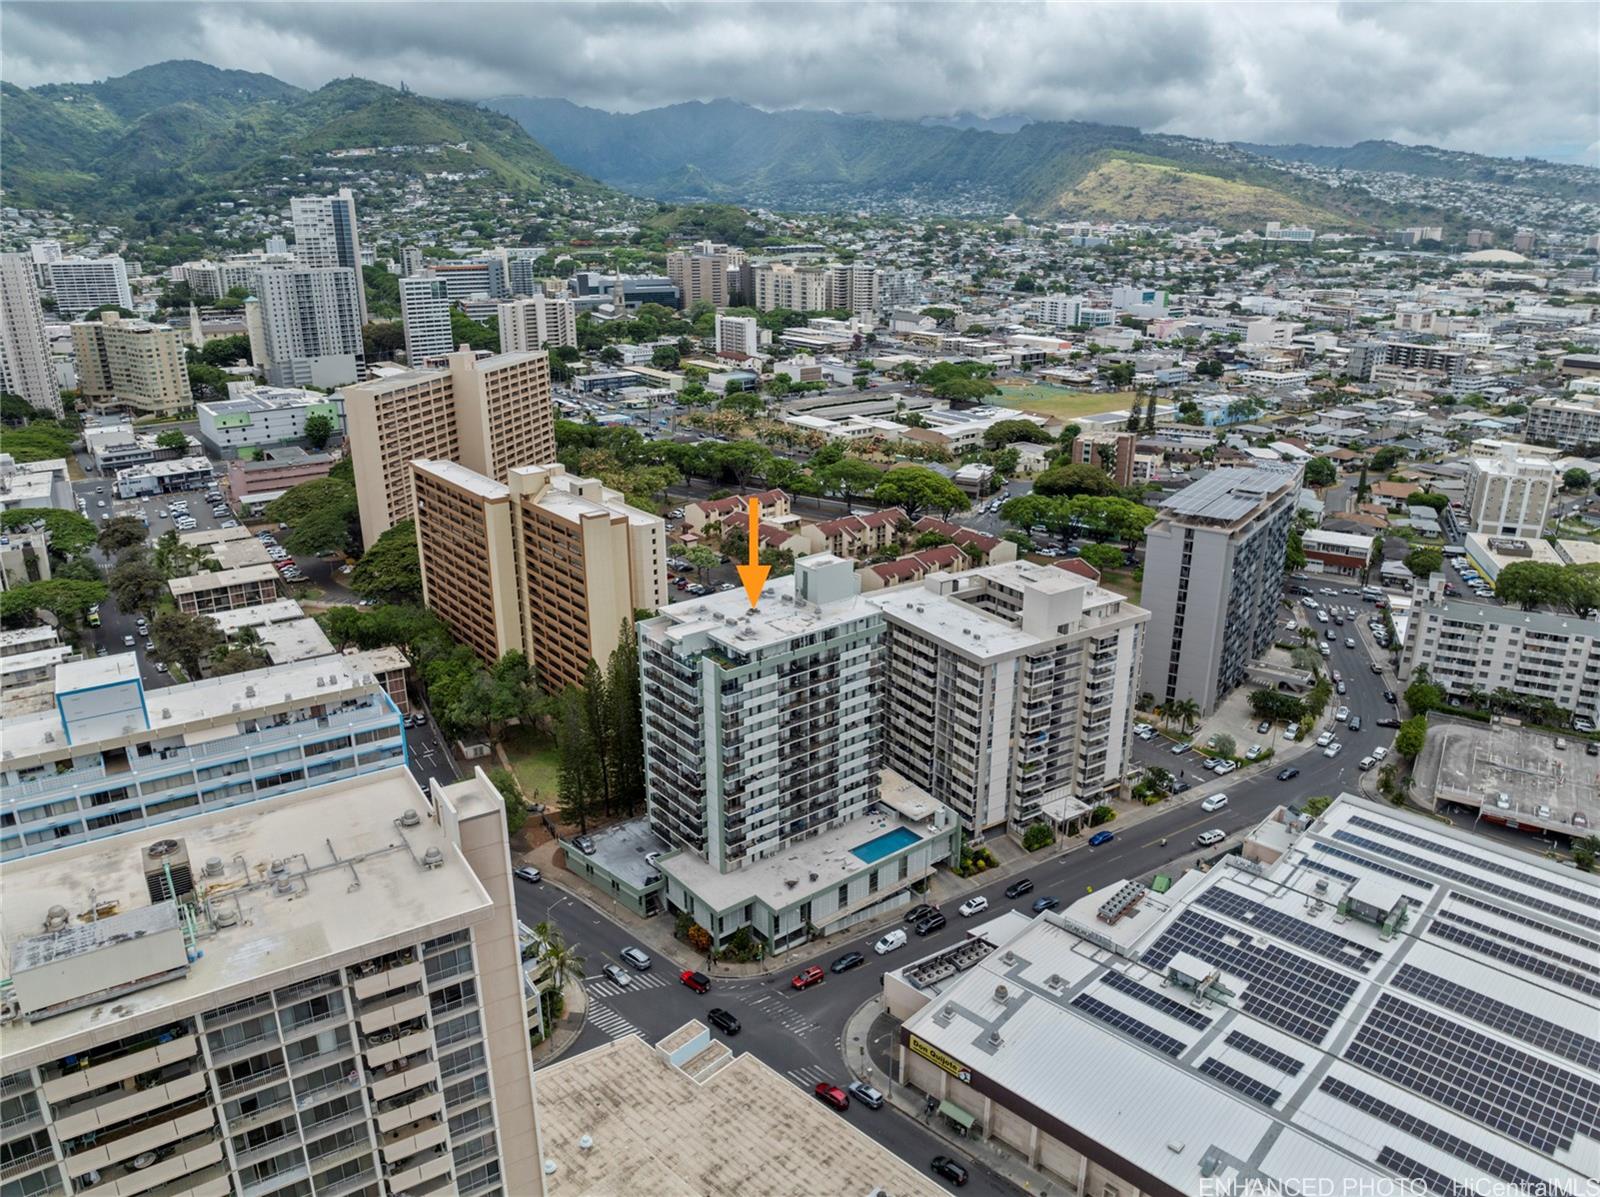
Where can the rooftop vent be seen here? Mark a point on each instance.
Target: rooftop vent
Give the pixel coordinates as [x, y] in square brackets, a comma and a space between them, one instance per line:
[410, 818]
[586, 1142]
[1001, 993]
[213, 866]
[1053, 982]
[285, 885]
[994, 1039]
[223, 919]
[249, 691]
[549, 1167]
[1009, 958]
[433, 858]
[55, 919]
[166, 712]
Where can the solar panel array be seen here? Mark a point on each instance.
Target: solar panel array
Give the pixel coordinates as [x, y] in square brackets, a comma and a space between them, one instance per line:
[1269, 1056]
[1128, 1025]
[1288, 991]
[1501, 1016]
[1234, 1079]
[1158, 1001]
[1532, 965]
[1290, 929]
[1587, 965]
[1490, 887]
[1374, 865]
[1480, 1077]
[1517, 916]
[1476, 859]
[1404, 1165]
[1471, 1154]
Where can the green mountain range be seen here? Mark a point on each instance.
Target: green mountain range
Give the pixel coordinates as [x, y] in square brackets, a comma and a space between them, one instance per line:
[727, 151]
[143, 148]
[1556, 179]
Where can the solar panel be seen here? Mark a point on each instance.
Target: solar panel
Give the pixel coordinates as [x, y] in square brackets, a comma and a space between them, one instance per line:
[1234, 1079]
[1471, 1154]
[1404, 1165]
[1269, 1056]
[1480, 1077]
[1128, 1025]
[1476, 859]
[1516, 916]
[1532, 965]
[1501, 1016]
[1291, 992]
[1375, 866]
[1490, 887]
[1188, 1017]
[1290, 929]
[1349, 878]
[1517, 940]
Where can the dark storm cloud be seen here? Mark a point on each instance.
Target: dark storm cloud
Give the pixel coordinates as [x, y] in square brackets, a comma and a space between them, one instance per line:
[1500, 78]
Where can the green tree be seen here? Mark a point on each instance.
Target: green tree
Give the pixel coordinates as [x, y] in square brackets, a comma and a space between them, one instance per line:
[1074, 480]
[172, 440]
[1413, 733]
[1225, 745]
[226, 351]
[464, 330]
[1576, 480]
[1009, 432]
[1185, 710]
[322, 516]
[1274, 704]
[1423, 498]
[186, 639]
[1313, 807]
[383, 339]
[1386, 458]
[122, 532]
[389, 571]
[207, 384]
[64, 598]
[1422, 695]
[702, 559]
[68, 532]
[1102, 556]
[1294, 557]
[1320, 471]
[1424, 561]
[1038, 835]
[665, 357]
[319, 430]
[136, 583]
[916, 489]
[627, 732]
[505, 781]
[847, 478]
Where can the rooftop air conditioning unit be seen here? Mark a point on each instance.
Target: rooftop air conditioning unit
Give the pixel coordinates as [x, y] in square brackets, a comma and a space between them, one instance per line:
[167, 874]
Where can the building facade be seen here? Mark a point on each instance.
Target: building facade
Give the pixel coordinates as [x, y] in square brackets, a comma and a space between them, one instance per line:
[488, 413]
[256, 417]
[305, 326]
[326, 234]
[701, 273]
[1009, 688]
[738, 335]
[465, 553]
[25, 367]
[537, 322]
[1213, 578]
[80, 285]
[425, 311]
[131, 364]
[1568, 424]
[1509, 491]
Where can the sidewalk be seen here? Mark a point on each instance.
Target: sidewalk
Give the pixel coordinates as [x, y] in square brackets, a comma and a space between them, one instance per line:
[568, 1027]
[868, 1045]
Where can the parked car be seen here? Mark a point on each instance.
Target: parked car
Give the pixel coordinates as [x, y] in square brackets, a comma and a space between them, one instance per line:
[698, 982]
[1101, 837]
[974, 905]
[1017, 888]
[807, 977]
[1291, 731]
[948, 1168]
[1252, 752]
[1213, 802]
[1341, 714]
[1263, 727]
[1214, 836]
[1040, 905]
[1389, 696]
[527, 873]
[1220, 769]
[1333, 749]
[635, 957]
[866, 1095]
[846, 962]
[930, 924]
[617, 976]
[723, 1021]
[1288, 774]
[1179, 749]
[1379, 752]
[891, 941]
[1366, 763]
[832, 1095]
[917, 913]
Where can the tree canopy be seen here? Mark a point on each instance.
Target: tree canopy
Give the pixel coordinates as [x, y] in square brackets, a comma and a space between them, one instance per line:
[389, 571]
[186, 639]
[918, 489]
[322, 516]
[64, 598]
[1075, 479]
[1533, 584]
[1009, 432]
[1320, 471]
[69, 532]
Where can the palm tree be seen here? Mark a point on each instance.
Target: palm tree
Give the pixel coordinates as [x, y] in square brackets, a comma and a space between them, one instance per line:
[563, 962]
[1186, 711]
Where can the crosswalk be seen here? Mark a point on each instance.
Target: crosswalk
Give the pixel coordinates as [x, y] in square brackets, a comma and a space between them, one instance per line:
[785, 1015]
[810, 1076]
[611, 1024]
[602, 986]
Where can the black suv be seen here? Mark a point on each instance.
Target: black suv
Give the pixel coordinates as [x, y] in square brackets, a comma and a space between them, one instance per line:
[930, 924]
[723, 1021]
[1017, 888]
[946, 1167]
[848, 961]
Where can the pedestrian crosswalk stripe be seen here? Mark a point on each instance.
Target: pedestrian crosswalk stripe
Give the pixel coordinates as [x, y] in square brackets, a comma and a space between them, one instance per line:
[808, 1077]
[603, 986]
[610, 1022]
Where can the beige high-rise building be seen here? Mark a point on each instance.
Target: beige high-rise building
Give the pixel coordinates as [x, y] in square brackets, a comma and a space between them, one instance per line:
[701, 273]
[537, 323]
[131, 364]
[487, 413]
[780, 285]
[550, 564]
[25, 368]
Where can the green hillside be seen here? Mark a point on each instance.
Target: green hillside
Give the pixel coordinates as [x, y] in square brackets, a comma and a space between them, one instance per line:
[142, 149]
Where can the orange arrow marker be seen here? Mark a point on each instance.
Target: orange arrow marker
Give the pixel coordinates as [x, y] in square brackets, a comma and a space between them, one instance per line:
[754, 575]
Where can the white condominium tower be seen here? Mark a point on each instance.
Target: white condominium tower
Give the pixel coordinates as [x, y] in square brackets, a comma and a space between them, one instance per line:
[326, 234]
[82, 284]
[25, 369]
[305, 326]
[537, 323]
[425, 309]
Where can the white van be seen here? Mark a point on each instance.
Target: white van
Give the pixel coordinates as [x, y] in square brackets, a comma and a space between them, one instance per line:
[891, 941]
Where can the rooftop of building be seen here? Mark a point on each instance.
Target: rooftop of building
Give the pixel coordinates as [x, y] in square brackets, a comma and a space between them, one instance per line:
[455, 474]
[574, 497]
[827, 859]
[1330, 1014]
[14, 640]
[294, 640]
[193, 710]
[278, 611]
[621, 850]
[251, 398]
[1230, 495]
[355, 878]
[220, 579]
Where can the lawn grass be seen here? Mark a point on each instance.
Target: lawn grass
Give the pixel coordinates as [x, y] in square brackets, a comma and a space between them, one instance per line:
[534, 760]
[1058, 401]
[1122, 581]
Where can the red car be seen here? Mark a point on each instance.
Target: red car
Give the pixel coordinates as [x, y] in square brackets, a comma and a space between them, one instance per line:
[833, 1095]
[698, 982]
[808, 977]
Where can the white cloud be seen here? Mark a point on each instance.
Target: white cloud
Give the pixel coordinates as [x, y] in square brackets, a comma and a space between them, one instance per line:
[1497, 78]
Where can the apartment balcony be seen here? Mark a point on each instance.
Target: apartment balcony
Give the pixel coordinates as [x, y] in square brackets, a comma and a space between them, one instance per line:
[144, 1174]
[385, 1013]
[391, 1085]
[90, 1076]
[412, 1177]
[120, 1105]
[391, 1047]
[373, 981]
[138, 1138]
[360, 1180]
[413, 1137]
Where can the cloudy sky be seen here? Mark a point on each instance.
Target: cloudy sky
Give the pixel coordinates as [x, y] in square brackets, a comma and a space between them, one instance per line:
[1501, 78]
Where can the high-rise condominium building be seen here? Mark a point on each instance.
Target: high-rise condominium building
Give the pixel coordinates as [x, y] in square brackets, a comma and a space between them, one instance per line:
[1509, 489]
[467, 277]
[82, 284]
[131, 364]
[738, 335]
[537, 322]
[764, 747]
[320, 992]
[411, 261]
[780, 285]
[1010, 691]
[306, 326]
[1213, 576]
[425, 309]
[25, 369]
[1069, 311]
[854, 286]
[548, 564]
[1568, 424]
[701, 273]
[326, 234]
[488, 413]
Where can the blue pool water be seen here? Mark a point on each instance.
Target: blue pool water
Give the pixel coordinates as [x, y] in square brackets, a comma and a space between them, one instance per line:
[880, 846]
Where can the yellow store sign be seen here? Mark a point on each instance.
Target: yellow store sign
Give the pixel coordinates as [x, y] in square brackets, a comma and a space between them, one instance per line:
[947, 1062]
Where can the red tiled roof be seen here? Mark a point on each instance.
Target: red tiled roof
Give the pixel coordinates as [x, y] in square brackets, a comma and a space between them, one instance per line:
[1075, 565]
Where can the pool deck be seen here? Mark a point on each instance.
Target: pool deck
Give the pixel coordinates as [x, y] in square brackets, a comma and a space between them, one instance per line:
[883, 845]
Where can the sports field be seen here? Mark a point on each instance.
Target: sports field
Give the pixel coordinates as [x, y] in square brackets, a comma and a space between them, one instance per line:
[1058, 401]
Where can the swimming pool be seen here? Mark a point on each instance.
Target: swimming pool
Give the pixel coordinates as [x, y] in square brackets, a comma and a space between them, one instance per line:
[880, 846]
